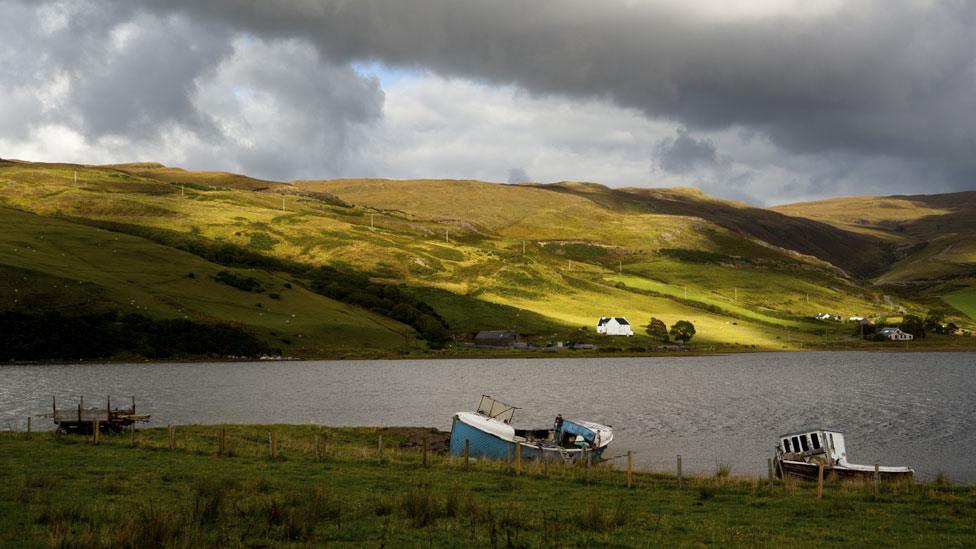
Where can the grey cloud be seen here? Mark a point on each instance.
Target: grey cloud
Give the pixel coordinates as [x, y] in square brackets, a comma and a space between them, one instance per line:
[518, 175]
[684, 153]
[189, 90]
[877, 78]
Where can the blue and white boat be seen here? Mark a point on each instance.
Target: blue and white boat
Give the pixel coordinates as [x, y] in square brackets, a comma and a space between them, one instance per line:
[490, 434]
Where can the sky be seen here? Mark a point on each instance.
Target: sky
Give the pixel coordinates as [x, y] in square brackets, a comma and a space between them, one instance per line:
[765, 101]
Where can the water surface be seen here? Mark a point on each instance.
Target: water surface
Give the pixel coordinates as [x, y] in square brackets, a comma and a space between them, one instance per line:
[914, 409]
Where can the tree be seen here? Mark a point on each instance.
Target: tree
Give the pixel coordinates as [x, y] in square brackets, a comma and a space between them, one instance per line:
[912, 324]
[657, 330]
[933, 322]
[682, 331]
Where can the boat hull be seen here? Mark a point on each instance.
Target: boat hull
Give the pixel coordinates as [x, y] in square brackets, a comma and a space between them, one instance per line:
[486, 445]
[811, 471]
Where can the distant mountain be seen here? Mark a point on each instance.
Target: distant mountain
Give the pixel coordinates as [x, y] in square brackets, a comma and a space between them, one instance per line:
[420, 260]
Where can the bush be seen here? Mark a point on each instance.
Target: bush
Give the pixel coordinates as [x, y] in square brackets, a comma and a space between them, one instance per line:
[247, 284]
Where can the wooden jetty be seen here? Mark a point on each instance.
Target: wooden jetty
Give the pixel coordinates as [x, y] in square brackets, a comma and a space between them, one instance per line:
[81, 420]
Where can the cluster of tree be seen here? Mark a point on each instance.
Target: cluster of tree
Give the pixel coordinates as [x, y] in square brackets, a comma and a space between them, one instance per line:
[682, 330]
[244, 283]
[384, 299]
[347, 286]
[934, 322]
[697, 256]
[53, 335]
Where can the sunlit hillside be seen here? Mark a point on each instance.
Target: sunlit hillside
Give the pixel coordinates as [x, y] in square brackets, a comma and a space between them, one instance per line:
[544, 260]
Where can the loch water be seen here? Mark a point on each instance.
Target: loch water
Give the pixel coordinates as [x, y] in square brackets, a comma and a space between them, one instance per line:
[915, 409]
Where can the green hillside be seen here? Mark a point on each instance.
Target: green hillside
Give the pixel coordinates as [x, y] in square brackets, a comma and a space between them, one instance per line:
[51, 264]
[545, 260]
[929, 238]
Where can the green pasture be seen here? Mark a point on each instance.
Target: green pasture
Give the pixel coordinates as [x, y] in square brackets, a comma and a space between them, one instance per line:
[67, 492]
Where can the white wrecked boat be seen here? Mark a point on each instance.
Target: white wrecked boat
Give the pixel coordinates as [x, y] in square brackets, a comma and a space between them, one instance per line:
[800, 455]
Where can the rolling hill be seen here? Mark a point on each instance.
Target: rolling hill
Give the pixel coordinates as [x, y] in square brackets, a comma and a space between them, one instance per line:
[545, 260]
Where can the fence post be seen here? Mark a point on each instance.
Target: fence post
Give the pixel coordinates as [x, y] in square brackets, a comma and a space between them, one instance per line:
[679, 471]
[589, 467]
[318, 450]
[28, 427]
[379, 447]
[171, 436]
[426, 450]
[95, 433]
[271, 446]
[877, 480]
[769, 465]
[467, 453]
[630, 469]
[820, 470]
[518, 458]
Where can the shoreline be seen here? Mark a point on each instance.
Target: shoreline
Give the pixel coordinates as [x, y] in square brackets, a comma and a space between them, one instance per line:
[501, 355]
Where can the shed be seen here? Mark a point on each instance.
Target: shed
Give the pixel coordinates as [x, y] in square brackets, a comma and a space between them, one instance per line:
[496, 338]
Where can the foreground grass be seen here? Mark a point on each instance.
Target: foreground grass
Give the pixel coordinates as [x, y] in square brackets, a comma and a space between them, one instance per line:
[66, 492]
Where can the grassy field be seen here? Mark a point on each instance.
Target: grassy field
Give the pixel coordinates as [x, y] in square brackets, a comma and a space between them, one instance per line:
[66, 492]
[543, 260]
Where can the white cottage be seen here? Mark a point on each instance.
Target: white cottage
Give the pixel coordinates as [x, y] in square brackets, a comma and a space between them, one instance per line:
[614, 326]
[895, 334]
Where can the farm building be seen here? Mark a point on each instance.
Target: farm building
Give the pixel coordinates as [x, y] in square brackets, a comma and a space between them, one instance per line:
[614, 326]
[895, 334]
[496, 338]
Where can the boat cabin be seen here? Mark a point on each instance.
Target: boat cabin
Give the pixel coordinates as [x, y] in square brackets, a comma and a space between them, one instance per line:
[829, 444]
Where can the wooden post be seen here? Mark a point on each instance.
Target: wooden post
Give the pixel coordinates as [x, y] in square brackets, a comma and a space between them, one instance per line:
[426, 450]
[467, 453]
[318, 451]
[769, 465]
[679, 471]
[95, 433]
[271, 445]
[518, 458]
[630, 469]
[379, 448]
[220, 443]
[589, 466]
[877, 480]
[28, 427]
[820, 481]
[171, 437]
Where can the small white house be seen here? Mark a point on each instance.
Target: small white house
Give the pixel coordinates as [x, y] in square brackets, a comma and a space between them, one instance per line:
[895, 334]
[614, 326]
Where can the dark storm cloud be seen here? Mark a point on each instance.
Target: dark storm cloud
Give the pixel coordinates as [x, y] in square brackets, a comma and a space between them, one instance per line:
[891, 78]
[684, 153]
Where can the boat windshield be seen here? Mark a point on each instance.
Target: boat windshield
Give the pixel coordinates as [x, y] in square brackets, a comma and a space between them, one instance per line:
[496, 409]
